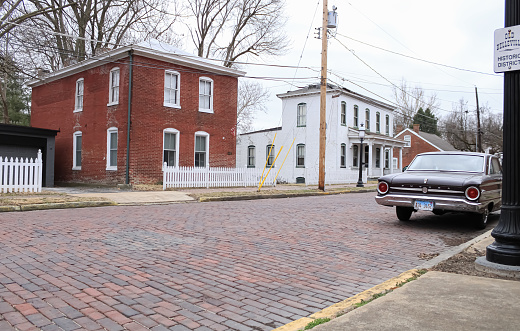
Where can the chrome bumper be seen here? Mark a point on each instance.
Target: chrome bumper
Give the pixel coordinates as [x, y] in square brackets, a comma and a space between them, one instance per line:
[451, 204]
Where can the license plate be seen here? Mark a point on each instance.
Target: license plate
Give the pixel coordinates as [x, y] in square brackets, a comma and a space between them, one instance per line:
[423, 205]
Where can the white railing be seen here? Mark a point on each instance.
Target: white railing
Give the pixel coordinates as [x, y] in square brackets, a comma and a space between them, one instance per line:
[17, 175]
[177, 177]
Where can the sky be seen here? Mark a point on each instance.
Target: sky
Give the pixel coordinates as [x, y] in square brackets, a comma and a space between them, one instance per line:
[457, 33]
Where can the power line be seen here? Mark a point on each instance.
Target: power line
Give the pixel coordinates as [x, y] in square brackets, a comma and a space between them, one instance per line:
[422, 60]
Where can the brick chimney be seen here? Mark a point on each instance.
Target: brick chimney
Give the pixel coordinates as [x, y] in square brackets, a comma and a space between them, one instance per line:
[416, 127]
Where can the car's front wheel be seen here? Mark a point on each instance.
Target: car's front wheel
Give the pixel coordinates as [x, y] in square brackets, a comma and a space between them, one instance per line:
[403, 213]
[481, 220]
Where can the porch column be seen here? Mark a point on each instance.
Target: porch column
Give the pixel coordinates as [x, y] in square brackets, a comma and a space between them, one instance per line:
[370, 143]
[391, 159]
[401, 159]
[382, 159]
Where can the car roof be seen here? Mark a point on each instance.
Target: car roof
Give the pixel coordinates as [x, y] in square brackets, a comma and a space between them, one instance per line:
[456, 153]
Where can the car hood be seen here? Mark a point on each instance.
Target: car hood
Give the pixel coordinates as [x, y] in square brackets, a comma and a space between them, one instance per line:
[433, 178]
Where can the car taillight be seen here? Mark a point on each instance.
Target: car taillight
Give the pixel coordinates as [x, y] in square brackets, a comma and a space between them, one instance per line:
[382, 187]
[472, 193]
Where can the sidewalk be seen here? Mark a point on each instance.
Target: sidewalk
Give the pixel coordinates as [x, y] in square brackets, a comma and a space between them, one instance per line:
[434, 301]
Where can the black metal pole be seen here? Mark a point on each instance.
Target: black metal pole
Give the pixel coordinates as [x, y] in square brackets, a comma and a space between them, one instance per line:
[506, 248]
[360, 179]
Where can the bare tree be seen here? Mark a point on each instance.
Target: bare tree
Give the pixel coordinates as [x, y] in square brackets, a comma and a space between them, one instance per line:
[232, 29]
[82, 28]
[409, 101]
[492, 129]
[460, 127]
[252, 98]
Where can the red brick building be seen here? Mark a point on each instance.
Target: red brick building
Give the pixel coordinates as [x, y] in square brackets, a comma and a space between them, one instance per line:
[182, 111]
[417, 142]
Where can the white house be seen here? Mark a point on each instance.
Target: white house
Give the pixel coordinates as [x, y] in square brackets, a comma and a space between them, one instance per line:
[300, 121]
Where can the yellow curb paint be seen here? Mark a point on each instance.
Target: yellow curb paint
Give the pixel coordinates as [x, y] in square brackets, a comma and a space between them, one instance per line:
[340, 307]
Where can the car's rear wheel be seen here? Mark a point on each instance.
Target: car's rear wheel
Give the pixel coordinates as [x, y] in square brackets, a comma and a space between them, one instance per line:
[403, 213]
[481, 220]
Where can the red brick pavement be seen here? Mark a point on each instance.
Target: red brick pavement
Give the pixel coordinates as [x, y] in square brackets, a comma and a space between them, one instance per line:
[244, 265]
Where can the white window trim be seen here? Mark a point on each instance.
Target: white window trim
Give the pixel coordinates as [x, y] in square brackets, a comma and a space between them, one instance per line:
[177, 141]
[109, 131]
[342, 121]
[300, 166]
[204, 134]
[110, 101]
[74, 136]
[301, 117]
[178, 93]
[210, 110]
[249, 147]
[76, 90]
[407, 141]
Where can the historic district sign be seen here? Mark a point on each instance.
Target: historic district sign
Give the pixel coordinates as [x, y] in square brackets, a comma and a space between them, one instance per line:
[507, 49]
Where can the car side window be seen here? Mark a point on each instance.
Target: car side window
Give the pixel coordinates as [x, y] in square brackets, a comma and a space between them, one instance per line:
[495, 168]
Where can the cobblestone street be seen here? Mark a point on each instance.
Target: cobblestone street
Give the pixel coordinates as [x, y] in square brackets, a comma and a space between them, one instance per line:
[239, 265]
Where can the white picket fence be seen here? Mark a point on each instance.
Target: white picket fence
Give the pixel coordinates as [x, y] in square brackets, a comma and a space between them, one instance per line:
[17, 175]
[177, 177]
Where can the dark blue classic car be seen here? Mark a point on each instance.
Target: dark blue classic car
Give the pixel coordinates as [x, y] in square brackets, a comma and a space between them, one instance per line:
[443, 182]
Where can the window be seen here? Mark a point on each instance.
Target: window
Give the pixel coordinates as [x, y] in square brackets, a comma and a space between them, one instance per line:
[270, 156]
[387, 159]
[378, 122]
[205, 95]
[251, 156]
[113, 93]
[378, 157]
[356, 116]
[112, 149]
[170, 146]
[394, 163]
[171, 89]
[343, 118]
[300, 156]
[78, 106]
[407, 141]
[76, 153]
[387, 125]
[367, 119]
[365, 154]
[343, 156]
[301, 119]
[201, 149]
[355, 153]
[495, 167]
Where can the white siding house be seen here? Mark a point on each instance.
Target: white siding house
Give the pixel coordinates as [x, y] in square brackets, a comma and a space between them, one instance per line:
[300, 121]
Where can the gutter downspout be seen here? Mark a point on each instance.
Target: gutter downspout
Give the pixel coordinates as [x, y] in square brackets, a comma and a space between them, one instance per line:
[131, 55]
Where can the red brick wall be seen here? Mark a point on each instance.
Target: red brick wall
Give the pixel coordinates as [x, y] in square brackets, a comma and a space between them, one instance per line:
[53, 105]
[418, 145]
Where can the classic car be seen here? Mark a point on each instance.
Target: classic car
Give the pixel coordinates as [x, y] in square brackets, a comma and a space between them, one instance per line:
[443, 182]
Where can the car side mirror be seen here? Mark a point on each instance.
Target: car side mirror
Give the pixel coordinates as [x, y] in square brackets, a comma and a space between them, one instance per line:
[404, 169]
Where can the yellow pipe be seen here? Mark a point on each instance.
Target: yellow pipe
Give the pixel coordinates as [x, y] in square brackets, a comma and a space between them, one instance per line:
[272, 165]
[260, 182]
[284, 159]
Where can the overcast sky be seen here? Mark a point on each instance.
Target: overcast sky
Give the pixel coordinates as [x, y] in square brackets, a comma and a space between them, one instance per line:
[457, 33]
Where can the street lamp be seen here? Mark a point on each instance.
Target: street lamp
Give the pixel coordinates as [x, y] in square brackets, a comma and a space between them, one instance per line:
[361, 136]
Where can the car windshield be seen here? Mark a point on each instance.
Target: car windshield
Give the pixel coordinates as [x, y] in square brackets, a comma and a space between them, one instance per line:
[448, 162]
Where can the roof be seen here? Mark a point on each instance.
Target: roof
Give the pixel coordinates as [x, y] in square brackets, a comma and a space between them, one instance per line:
[437, 141]
[432, 139]
[26, 130]
[278, 128]
[152, 49]
[331, 88]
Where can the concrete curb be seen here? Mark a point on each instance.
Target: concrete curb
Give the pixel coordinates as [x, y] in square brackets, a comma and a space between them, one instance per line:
[343, 306]
[452, 251]
[57, 205]
[279, 195]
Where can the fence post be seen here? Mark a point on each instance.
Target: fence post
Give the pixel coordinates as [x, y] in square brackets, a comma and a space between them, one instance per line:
[40, 169]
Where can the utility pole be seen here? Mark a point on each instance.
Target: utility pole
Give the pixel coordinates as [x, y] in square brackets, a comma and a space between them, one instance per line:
[478, 148]
[323, 97]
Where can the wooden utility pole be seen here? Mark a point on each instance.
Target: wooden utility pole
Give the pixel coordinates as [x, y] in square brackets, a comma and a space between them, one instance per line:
[323, 97]
[479, 133]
